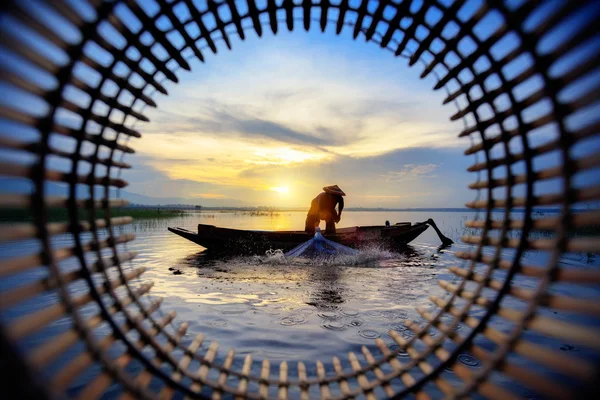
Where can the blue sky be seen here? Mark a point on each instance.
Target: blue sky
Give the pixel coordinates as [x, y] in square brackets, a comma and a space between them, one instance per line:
[277, 118]
[299, 111]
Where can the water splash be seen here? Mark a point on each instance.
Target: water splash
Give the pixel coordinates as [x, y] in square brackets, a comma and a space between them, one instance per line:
[366, 257]
[319, 247]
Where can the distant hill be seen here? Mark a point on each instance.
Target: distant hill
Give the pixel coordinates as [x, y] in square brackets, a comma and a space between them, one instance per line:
[57, 189]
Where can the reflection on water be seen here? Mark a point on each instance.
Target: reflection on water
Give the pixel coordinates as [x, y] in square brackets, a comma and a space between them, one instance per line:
[290, 310]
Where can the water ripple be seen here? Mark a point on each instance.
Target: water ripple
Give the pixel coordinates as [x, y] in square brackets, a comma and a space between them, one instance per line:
[468, 360]
[334, 326]
[292, 320]
[369, 334]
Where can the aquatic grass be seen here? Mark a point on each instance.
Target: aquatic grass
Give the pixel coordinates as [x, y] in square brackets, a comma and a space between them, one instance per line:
[61, 214]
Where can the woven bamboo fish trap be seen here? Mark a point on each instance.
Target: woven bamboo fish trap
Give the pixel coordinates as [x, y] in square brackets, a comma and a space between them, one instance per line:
[139, 46]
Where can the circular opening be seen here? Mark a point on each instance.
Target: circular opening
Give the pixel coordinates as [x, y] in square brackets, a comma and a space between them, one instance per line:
[80, 77]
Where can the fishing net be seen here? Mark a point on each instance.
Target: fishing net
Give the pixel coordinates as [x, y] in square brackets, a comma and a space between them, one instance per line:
[319, 247]
[526, 88]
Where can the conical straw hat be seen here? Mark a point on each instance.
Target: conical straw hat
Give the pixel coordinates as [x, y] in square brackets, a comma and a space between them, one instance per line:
[334, 189]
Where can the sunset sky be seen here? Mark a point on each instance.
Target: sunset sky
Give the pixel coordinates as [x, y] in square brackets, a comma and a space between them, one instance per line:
[272, 121]
[276, 119]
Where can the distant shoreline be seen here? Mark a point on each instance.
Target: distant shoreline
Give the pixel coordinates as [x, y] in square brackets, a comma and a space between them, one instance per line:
[185, 207]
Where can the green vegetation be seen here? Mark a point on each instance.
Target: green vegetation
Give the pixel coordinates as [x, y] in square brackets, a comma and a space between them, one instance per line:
[62, 214]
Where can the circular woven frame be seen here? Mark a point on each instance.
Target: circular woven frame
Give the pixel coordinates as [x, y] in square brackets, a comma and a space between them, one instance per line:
[495, 118]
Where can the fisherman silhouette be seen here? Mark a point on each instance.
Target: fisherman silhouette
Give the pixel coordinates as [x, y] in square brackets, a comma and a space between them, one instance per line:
[322, 207]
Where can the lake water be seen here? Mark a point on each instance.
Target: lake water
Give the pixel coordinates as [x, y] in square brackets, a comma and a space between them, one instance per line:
[274, 308]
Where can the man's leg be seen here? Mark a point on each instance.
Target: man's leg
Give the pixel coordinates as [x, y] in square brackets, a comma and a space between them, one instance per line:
[330, 225]
[310, 224]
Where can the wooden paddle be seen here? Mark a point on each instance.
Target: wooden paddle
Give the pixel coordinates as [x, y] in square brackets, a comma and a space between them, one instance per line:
[445, 241]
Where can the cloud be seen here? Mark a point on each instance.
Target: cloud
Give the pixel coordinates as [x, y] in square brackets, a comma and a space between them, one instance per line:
[210, 195]
[412, 171]
[403, 196]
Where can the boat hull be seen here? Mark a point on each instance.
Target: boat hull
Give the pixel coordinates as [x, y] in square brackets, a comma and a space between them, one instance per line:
[257, 242]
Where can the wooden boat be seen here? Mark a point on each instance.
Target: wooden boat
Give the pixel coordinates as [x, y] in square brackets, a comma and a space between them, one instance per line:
[257, 242]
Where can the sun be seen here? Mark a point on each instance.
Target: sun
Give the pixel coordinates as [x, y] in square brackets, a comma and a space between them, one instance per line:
[280, 189]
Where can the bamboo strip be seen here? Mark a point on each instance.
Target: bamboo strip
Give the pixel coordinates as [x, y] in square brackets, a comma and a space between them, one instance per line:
[112, 102]
[237, 21]
[158, 35]
[99, 119]
[19, 47]
[36, 148]
[378, 372]
[283, 381]
[23, 231]
[423, 365]
[97, 386]
[344, 386]
[135, 41]
[204, 33]
[24, 201]
[576, 195]
[525, 376]
[15, 296]
[263, 388]
[574, 245]
[181, 28]
[33, 89]
[205, 367]
[435, 30]
[323, 386]
[563, 363]
[399, 369]
[302, 383]
[222, 381]
[35, 321]
[243, 384]
[562, 274]
[361, 378]
[579, 165]
[548, 326]
[579, 220]
[167, 392]
[83, 360]
[488, 389]
[47, 352]
[50, 282]
[549, 300]
[122, 82]
[144, 378]
[542, 149]
[58, 129]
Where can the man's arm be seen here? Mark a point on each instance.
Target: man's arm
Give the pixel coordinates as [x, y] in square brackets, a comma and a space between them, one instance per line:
[340, 207]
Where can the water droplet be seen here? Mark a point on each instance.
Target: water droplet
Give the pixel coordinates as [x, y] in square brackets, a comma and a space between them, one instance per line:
[334, 326]
[458, 327]
[407, 334]
[399, 327]
[350, 313]
[391, 314]
[356, 322]
[400, 352]
[305, 311]
[568, 347]
[373, 313]
[233, 310]
[468, 360]
[292, 320]
[328, 315]
[218, 322]
[369, 334]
